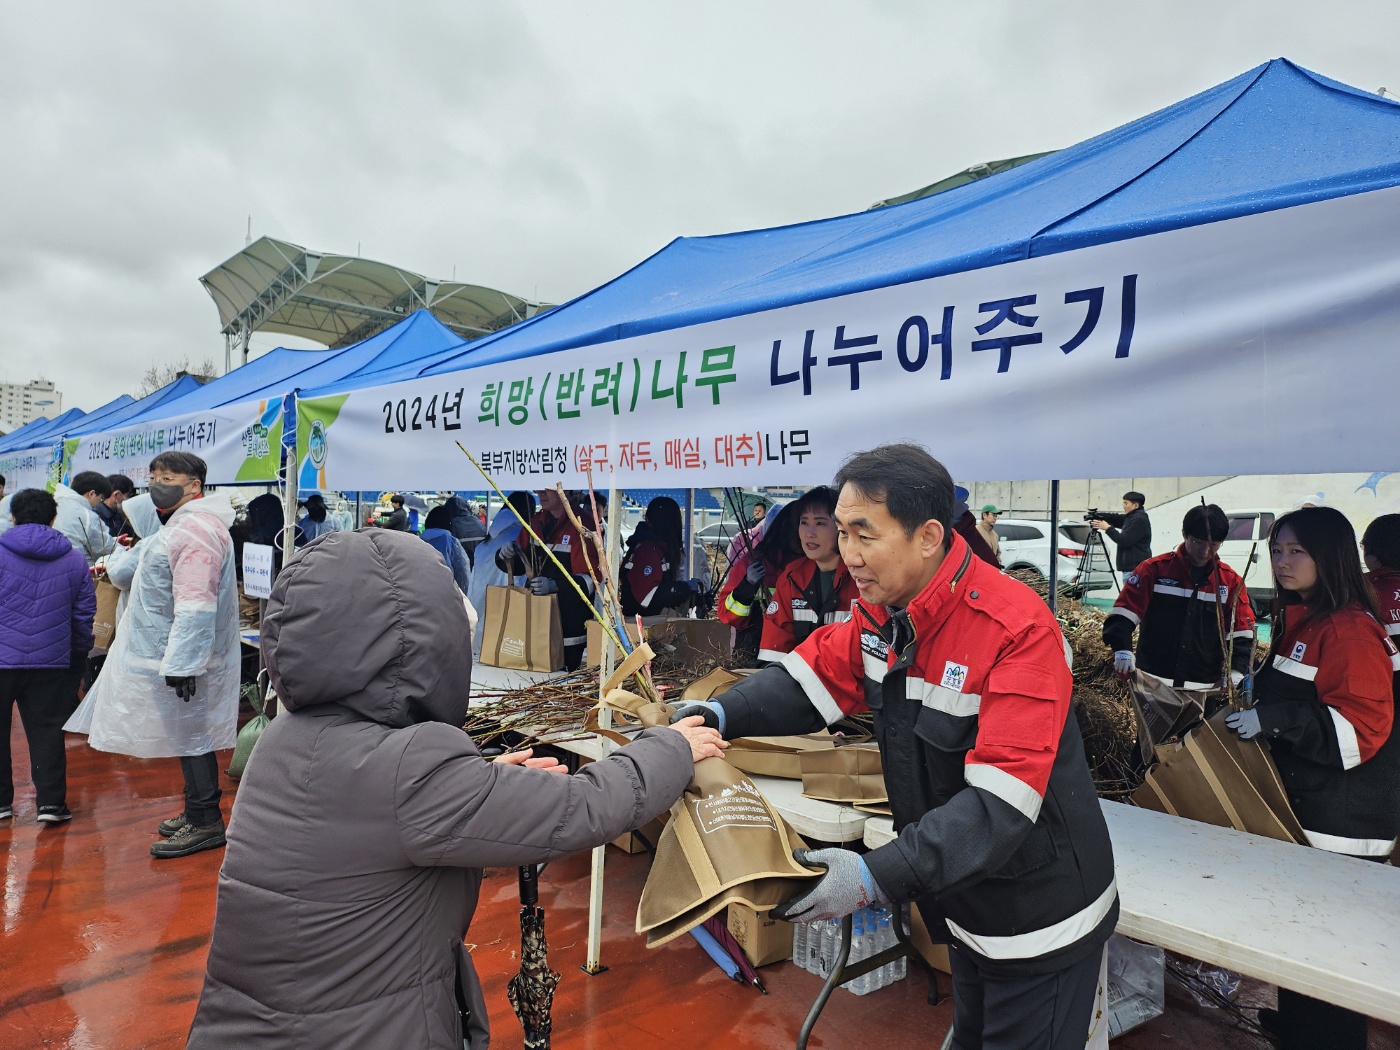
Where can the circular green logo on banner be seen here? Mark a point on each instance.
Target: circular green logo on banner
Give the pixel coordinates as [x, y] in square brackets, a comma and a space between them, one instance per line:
[316, 444]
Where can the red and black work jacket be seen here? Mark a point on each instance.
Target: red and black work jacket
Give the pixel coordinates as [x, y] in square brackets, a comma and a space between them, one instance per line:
[1326, 704]
[740, 603]
[1000, 833]
[797, 609]
[560, 536]
[1386, 584]
[648, 581]
[1178, 621]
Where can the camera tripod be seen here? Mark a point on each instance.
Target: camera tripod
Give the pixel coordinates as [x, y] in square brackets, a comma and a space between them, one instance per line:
[1086, 556]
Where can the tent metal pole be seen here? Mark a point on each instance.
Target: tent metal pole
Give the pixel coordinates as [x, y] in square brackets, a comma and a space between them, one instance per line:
[1054, 544]
[594, 962]
[689, 541]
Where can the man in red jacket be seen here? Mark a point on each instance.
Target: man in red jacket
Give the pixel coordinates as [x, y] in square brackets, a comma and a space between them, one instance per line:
[1001, 841]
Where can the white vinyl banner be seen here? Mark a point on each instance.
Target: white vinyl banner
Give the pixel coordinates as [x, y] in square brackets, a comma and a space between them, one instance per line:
[29, 468]
[238, 442]
[1263, 344]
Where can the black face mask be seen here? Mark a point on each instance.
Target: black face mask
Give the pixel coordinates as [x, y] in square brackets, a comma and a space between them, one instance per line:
[166, 496]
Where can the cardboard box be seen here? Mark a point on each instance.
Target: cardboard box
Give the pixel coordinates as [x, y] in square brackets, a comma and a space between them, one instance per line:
[763, 938]
[936, 955]
[696, 645]
[593, 656]
[630, 843]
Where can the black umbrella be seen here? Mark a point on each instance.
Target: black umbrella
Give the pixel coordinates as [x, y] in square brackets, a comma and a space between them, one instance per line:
[531, 991]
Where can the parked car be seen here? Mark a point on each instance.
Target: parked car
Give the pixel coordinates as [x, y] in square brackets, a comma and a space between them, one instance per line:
[1025, 544]
[719, 533]
[1246, 550]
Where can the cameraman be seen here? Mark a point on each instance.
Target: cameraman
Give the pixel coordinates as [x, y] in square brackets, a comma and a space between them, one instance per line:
[1131, 530]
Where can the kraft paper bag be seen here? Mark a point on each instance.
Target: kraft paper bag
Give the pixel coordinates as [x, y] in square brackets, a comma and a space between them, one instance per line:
[1163, 712]
[712, 685]
[522, 630]
[1213, 776]
[104, 622]
[850, 773]
[776, 756]
[723, 844]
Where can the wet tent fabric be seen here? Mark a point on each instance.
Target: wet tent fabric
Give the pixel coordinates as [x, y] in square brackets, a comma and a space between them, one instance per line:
[1274, 137]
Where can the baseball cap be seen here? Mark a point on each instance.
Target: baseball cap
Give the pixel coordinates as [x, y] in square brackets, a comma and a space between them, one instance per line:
[990, 508]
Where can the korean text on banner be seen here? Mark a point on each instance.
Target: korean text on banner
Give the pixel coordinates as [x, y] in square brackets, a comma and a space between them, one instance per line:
[782, 396]
[239, 442]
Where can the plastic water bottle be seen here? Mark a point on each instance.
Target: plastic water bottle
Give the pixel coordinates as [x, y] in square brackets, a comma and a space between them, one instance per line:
[861, 934]
[799, 943]
[814, 947]
[900, 967]
[830, 944]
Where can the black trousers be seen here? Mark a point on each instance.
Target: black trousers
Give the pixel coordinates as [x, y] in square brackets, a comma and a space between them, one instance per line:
[1052, 1011]
[46, 697]
[202, 792]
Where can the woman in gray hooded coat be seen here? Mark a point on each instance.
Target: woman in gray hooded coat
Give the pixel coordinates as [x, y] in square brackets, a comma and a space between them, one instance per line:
[365, 814]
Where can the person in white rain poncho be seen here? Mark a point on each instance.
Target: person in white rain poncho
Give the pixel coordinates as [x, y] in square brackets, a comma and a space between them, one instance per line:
[505, 526]
[143, 520]
[170, 685]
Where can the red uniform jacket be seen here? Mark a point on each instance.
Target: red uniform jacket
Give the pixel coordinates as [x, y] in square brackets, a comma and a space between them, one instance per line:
[1000, 833]
[1326, 704]
[1177, 620]
[796, 608]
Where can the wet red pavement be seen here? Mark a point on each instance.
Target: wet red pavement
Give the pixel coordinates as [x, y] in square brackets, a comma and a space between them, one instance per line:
[103, 948]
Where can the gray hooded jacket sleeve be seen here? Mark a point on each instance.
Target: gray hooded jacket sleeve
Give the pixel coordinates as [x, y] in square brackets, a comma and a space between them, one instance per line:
[365, 815]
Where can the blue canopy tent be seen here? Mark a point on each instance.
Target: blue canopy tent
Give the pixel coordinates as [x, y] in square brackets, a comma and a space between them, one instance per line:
[98, 421]
[42, 430]
[1274, 137]
[267, 383]
[1114, 213]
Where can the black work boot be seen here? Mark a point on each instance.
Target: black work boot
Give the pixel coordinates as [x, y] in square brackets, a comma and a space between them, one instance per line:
[174, 824]
[189, 839]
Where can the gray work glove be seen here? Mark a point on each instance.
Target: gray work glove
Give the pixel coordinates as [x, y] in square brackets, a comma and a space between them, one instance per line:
[846, 887]
[1245, 723]
[756, 571]
[709, 710]
[543, 585]
[1123, 663]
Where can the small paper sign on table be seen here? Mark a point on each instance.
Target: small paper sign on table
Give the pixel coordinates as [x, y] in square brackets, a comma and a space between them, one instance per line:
[257, 570]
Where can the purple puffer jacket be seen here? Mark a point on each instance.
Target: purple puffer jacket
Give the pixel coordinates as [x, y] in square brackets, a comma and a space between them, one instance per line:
[46, 599]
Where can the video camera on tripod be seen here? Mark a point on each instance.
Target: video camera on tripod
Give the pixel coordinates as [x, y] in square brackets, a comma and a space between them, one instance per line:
[1116, 520]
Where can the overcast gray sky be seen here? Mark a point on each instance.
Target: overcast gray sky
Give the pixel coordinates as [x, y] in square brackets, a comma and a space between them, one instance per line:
[541, 147]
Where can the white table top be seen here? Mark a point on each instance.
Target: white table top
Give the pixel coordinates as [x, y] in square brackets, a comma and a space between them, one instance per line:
[1315, 922]
[827, 821]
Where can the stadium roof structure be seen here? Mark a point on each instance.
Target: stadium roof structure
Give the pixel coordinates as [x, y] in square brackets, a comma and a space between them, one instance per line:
[275, 286]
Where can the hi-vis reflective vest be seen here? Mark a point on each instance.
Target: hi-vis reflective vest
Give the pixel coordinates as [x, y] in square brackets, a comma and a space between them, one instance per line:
[1000, 831]
[1326, 704]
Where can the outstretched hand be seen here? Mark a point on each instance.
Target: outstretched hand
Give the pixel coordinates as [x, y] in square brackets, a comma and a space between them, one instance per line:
[704, 741]
[523, 758]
